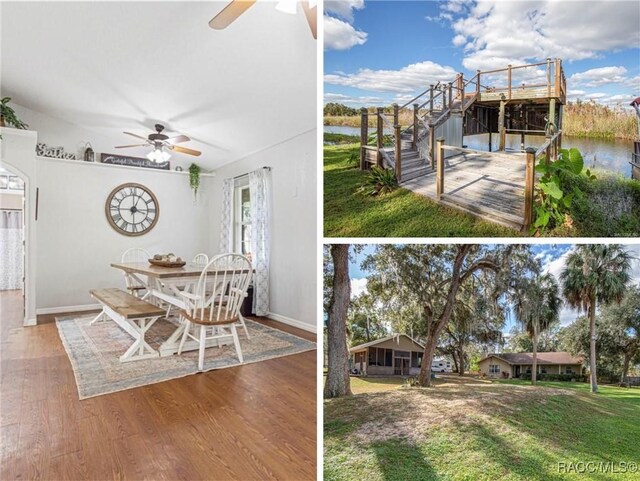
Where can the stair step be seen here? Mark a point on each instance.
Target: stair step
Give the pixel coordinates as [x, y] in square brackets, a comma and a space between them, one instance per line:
[486, 213]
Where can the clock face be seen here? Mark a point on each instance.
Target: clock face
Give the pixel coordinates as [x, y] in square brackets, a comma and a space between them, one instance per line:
[132, 209]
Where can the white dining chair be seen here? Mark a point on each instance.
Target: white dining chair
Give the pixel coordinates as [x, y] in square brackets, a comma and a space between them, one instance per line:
[135, 285]
[200, 259]
[215, 303]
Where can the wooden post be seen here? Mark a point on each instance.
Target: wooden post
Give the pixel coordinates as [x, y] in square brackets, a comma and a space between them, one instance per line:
[398, 165]
[395, 113]
[439, 167]
[478, 82]
[548, 77]
[509, 82]
[414, 142]
[529, 182]
[432, 146]
[501, 127]
[444, 97]
[364, 137]
[379, 135]
[450, 95]
[556, 75]
[489, 141]
[521, 140]
[431, 99]
[552, 114]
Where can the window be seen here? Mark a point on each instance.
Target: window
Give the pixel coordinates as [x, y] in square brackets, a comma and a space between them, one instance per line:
[403, 354]
[416, 359]
[494, 369]
[568, 370]
[380, 357]
[242, 219]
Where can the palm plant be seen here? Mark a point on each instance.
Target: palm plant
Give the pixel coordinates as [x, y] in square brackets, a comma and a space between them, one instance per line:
[595, 274]
[537, 308]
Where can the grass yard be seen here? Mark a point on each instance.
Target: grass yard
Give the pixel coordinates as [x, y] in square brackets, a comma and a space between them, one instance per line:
[471, 429]
[399, 214]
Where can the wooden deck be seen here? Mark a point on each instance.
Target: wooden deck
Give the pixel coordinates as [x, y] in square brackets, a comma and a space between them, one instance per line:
[486, 184]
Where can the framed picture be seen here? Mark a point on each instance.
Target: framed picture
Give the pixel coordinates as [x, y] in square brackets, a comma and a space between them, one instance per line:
[4, 181]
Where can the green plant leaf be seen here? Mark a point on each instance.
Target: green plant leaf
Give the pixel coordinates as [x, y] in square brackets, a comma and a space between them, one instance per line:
[552, 190]
[542, 219]
[566, 200]
[576, 160]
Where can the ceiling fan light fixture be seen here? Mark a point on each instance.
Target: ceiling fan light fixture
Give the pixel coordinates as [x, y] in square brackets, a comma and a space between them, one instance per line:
[158, 155]
[287, 6]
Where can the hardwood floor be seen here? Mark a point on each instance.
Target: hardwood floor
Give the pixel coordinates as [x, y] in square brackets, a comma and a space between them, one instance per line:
[250, 422]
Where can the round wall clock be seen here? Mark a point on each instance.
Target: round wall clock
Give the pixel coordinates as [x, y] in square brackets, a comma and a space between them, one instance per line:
[132, 209]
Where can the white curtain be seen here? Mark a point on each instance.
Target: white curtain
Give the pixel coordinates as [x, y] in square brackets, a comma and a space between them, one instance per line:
[10, 250]
[260, 199]
[226, 227]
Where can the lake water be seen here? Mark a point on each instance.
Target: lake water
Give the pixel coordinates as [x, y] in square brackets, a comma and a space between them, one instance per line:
[602, 154]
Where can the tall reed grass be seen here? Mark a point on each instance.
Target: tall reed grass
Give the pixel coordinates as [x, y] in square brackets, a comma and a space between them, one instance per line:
[590, 119]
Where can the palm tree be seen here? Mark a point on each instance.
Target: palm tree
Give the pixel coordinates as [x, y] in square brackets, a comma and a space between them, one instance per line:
[595, 274]
[537, 307]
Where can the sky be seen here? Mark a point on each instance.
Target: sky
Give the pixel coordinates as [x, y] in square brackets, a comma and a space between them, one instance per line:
[552, 257]
[379, 52]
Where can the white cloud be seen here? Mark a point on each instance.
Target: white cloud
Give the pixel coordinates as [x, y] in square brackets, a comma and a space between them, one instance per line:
[406, 80]
[503, 33]
[358, 286]
[597, 77]
[595, 95]
[340, 35]
[459, 40]
[347, 99]
[343, 8]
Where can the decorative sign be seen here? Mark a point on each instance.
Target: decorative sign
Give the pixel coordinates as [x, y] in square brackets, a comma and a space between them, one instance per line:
[133, 161]
[42, 150]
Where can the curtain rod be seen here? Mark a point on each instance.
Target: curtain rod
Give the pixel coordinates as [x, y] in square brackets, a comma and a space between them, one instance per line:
[244, 175]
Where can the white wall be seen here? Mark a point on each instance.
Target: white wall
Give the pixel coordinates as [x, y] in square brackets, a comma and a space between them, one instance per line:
[293, 273]
[77, 243]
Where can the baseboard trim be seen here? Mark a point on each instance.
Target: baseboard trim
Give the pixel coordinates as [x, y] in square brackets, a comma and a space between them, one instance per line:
[293, 322]
[30, 322]
[66, 309]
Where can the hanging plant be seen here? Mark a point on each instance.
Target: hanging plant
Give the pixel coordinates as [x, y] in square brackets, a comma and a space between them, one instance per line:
[194, 177]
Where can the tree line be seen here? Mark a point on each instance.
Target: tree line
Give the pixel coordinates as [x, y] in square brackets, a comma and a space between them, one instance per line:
[455, 300]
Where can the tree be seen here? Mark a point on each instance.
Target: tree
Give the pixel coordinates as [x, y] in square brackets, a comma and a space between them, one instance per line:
[595, 274]
[338, 382]
[537, 306]
[622, 321]
[365, 321]
[431, 275]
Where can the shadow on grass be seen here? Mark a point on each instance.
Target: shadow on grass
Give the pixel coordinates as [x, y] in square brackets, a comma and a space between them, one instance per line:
[401, 461]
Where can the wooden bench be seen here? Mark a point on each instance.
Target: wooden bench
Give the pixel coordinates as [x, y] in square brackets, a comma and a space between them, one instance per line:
[132, 314]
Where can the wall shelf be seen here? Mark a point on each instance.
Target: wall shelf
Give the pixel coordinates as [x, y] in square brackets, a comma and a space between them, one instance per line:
[114, 166]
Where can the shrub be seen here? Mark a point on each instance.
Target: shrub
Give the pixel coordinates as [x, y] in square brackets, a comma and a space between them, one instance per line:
[555, 377]
[379, 182]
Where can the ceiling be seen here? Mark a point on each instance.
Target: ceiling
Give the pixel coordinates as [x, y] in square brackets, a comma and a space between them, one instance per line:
[114, 66]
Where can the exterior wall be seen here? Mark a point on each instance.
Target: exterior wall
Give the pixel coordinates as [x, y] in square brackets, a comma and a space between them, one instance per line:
[550, 368]
[504, 367]
[399, 344]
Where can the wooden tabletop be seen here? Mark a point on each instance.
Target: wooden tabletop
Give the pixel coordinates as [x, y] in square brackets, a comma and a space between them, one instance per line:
[146, 269]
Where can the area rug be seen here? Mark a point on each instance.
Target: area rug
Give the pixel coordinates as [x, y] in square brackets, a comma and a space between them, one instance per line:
[94, 352]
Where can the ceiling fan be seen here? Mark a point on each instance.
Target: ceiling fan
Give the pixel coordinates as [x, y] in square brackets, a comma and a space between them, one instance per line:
[237, 7]
[161, 143]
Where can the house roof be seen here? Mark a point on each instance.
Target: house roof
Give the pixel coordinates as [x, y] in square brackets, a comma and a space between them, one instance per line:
[542, 358]
[360, 347]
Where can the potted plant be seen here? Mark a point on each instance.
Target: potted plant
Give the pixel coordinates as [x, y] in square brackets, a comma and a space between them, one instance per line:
[194, 178]
[8, 117]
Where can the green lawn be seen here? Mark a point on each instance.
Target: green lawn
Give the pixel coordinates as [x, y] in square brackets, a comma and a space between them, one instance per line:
[471, 429]
[399, 214]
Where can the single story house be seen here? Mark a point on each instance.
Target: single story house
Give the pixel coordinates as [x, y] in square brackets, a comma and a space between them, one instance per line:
[398, 354]
[514, 364]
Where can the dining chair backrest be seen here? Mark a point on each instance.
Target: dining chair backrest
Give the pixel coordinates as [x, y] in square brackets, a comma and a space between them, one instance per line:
[135, 254]
[222, 287]
[200, 259]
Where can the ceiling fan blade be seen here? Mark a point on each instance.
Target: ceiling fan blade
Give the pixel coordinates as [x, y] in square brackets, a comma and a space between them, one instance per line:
[312, 17]
[137, 136]
[178, 139]
[184, 150]
[230, 13]
[127, 146]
